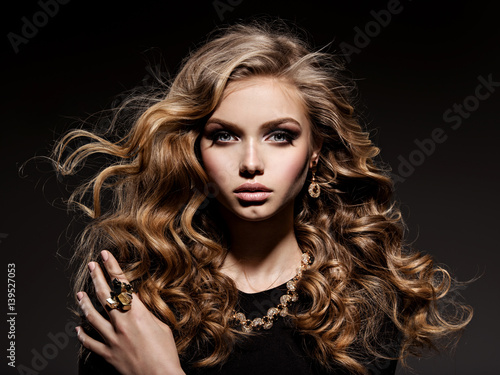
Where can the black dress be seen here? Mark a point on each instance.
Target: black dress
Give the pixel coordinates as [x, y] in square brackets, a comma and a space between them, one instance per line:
[275, 351]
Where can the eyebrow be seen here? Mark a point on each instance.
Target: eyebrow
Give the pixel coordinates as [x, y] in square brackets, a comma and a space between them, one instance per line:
[266, 125]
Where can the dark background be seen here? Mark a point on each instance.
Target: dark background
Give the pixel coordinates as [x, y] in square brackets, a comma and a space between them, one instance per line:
[426, 59]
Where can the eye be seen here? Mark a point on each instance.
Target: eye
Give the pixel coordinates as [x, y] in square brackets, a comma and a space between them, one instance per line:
[221, 136]
[283, 136]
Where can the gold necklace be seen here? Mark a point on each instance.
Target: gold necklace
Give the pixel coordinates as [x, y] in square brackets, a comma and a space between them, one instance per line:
[291, 296]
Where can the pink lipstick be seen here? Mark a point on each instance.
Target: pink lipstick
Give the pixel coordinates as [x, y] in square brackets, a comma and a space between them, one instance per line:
[252, 192]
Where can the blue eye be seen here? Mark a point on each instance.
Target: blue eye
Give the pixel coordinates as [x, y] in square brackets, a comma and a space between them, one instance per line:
[283, 136]
[221, 136]
[277, 136]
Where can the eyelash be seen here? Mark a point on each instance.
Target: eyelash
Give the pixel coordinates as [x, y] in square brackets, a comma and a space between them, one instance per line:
[289, 136]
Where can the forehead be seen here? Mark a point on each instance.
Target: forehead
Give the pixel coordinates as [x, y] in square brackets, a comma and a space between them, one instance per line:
[261, 99]
[273, 84]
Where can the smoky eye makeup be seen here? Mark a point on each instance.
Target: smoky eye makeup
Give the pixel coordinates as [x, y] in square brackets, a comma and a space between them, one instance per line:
[280, 136]
[283, 134]
[213, 131]
[220, 135]
[283, 131]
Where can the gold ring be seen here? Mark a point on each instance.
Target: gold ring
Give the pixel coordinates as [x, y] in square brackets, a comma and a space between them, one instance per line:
[121, 296]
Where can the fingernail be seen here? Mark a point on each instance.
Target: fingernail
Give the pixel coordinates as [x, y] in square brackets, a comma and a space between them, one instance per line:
[77, 329]
[79, 295]
[91, 266]
[104, 255]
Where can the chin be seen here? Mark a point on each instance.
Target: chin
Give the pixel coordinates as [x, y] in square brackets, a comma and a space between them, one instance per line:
[254, 215]
[253, 212]
[250, 211]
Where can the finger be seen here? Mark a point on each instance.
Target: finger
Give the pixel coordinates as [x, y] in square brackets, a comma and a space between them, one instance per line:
[91, 344]
[102, 289]
[101, 324]
[112, 266]
[114, 271]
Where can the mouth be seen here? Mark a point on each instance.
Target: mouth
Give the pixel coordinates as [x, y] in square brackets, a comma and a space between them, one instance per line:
[253, 196]
[252, 188]
[252, 192]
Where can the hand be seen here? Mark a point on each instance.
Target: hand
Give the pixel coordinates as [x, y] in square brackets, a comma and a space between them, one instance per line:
[135, 341]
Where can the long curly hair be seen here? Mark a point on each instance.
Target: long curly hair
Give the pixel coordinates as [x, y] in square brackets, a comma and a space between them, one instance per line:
[151, 205]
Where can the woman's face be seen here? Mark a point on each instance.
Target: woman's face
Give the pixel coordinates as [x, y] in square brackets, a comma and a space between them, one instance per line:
[257, 147]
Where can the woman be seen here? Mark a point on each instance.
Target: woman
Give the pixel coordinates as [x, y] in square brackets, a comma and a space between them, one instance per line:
[255, 232]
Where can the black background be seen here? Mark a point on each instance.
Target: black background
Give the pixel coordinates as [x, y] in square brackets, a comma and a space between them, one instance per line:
[427, 58]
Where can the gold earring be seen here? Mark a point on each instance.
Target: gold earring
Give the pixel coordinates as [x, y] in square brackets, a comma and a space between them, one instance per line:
[314, 188]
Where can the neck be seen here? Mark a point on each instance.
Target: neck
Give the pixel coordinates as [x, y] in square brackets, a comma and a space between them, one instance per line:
[262, 254]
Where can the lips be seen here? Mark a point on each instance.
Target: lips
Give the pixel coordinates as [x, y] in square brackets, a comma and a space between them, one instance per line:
[251, 188]
[252, 192]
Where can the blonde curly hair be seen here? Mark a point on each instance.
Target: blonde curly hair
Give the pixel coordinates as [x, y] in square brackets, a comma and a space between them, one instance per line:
[159, 223]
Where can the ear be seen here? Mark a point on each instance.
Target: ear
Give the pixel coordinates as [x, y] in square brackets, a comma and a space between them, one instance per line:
[313, 161]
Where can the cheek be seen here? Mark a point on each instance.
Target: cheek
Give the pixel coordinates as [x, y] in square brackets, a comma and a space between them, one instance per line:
[217, 166]
[293, 172]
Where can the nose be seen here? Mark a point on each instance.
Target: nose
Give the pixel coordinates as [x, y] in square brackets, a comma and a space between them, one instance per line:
[251, 162]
